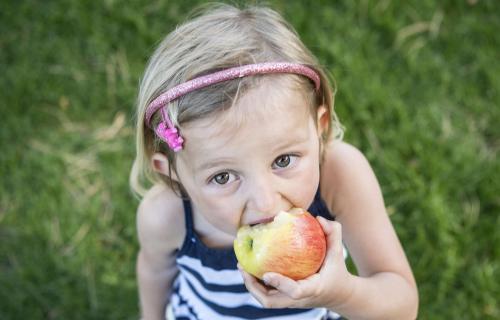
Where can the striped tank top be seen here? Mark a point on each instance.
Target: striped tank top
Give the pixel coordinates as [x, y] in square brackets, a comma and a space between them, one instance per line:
[210, 287]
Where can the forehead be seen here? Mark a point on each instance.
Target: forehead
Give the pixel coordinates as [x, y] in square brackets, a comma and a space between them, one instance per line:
[274, 108]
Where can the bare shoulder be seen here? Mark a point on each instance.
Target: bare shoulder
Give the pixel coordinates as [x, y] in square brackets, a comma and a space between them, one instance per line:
[355, 196]
[346, 177]
[160, 221]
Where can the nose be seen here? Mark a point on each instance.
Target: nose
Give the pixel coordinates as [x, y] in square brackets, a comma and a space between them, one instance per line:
[263, 195]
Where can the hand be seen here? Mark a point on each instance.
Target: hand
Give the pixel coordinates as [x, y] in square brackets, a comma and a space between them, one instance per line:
[331, 286]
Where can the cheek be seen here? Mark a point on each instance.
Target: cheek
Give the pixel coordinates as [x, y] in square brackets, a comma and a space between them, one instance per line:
[223, 213]
[306, 184]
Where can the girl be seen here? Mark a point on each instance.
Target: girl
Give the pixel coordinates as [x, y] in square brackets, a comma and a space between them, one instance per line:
[235, 123]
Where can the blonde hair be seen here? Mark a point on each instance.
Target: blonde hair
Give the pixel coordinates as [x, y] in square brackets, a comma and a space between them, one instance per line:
[217, 37]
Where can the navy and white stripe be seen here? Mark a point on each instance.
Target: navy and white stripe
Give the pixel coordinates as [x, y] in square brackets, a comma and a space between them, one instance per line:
[210, 287]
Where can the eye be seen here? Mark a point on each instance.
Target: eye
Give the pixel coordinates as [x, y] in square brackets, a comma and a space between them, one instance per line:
[223, 178]
[283, 161]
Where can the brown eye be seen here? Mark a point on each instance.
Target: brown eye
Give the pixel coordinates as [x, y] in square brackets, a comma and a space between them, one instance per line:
[283, 161]
[222, 178]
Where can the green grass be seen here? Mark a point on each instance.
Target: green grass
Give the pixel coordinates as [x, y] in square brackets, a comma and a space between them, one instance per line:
[418, 92]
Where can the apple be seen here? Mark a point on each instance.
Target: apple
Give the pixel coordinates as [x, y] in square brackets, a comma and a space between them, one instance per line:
[293, 244]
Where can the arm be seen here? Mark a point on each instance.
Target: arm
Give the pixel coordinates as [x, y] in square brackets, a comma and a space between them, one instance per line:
[385, 287]
[159, 222]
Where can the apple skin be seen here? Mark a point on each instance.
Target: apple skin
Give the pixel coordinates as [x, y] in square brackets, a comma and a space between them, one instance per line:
[293, 244]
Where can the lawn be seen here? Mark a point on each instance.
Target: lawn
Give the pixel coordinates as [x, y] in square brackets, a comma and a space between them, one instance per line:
[418, 91]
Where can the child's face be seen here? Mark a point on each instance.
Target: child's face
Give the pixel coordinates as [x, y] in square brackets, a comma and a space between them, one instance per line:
[253, 160]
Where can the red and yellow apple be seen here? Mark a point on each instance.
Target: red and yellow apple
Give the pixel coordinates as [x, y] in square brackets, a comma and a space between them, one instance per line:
[293, 244]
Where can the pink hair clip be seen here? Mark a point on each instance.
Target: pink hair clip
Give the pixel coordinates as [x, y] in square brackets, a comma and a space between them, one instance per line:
[167, 132]
[170, 136]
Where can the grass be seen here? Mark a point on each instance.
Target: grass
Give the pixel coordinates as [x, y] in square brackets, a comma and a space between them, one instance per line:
[418, 90]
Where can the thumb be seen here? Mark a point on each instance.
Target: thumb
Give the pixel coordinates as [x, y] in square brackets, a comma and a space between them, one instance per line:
[333, 233]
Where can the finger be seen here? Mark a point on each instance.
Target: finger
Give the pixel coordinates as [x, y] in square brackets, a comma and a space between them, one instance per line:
[333, 232]
[252, 283]
[256, 286]
[268, 298]
[296, 290]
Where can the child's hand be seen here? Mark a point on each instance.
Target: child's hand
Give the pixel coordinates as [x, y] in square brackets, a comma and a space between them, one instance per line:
[329, 287]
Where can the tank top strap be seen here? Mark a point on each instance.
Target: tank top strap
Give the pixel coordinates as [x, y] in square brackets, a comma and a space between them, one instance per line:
[319, 207]
[188, 215]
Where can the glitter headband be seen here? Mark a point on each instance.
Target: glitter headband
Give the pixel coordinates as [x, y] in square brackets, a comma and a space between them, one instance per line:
[166, 130]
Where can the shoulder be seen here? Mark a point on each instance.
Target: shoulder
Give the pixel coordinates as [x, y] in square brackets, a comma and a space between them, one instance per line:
[354, 195]
[347, 178]
[160, 221]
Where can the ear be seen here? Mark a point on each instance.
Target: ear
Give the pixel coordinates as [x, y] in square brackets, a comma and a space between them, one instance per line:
[323, 119]
[161, 165]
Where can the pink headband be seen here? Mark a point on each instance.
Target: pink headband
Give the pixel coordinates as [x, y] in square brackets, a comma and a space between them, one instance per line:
[167, 132]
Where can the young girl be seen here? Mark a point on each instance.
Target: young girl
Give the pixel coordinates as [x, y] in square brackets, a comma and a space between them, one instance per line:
[235, 123]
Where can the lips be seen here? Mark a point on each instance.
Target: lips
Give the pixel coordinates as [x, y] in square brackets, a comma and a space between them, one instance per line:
[261, 221]
[267, 219]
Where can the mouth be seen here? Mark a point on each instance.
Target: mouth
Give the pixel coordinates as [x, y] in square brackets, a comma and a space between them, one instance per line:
[261, 221]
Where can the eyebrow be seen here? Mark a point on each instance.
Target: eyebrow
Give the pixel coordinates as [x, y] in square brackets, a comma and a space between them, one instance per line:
[295, 140]
[213, 163]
